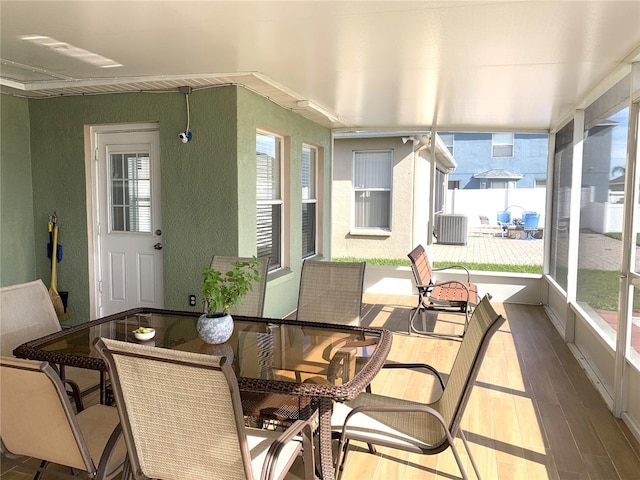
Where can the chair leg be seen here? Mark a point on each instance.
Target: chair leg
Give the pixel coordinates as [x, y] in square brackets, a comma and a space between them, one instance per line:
[466, 446]
[40, 471]
[458, 461]
[343, 448]
[412, 315]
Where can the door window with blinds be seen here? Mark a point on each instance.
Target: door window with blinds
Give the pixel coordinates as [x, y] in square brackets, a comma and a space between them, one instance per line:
[130, 185]
[269, 198]
[309, 200]
[372, 181]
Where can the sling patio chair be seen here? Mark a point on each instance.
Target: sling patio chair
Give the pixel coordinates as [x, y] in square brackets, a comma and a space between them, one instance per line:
[26, 313]
[252, 305]
[504, 221]
[181, 417]
[331, 292]
[448, 296]
[37, 420]
[418, 427]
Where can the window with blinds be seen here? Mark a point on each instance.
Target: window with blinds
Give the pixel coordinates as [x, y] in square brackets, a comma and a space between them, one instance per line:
[130, 182]
[372, 181]
[309, 200]
[269, 198]
[502, 145]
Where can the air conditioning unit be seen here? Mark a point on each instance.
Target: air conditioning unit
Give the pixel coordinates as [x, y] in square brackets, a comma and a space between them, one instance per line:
[451, 229]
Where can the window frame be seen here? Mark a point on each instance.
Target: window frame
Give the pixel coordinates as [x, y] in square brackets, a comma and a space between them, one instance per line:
[355, 190]
[498, 142]
[312, 197]
[275, 263]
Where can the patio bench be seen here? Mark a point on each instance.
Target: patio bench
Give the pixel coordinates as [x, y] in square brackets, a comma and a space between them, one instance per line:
[451, 296]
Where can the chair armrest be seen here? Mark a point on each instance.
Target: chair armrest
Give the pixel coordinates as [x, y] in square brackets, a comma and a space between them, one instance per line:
[395, 409]
[453, 267]
[417, 365]
[299, 427]
[412, 365]
[74, 392]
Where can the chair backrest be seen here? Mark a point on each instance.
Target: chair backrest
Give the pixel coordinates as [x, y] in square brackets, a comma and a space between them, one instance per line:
[504, 217]
[420, 266]
[252, 305]
[331, 292]
[37, 419]
[484, 323]
[180, 412]
[26, 313]
[530, 220]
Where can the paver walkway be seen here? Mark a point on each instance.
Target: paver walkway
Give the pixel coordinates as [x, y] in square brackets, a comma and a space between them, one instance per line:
[597, 251]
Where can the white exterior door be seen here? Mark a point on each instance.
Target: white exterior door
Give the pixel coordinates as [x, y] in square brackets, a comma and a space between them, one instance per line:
[128, 231]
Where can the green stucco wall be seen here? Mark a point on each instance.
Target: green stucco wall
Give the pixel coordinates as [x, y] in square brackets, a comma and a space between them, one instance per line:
[255, 112]
[194, 224]
[17, 249]
[208, 185]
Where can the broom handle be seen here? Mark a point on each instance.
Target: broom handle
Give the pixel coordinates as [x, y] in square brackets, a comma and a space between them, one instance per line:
[54, 261]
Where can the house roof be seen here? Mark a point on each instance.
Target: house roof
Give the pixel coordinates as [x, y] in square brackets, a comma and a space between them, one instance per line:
[498, 174]
[457, 65]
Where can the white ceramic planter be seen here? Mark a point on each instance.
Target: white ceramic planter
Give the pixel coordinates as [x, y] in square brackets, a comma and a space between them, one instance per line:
[215, 328]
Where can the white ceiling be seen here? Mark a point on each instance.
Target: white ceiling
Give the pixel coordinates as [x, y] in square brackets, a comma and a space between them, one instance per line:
[482, 65]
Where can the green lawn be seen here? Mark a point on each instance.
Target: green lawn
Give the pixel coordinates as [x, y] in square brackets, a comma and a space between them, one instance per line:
[484, 267]
[618, 236]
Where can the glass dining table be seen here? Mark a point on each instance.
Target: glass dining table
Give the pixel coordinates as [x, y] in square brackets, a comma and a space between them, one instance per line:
[275, 360]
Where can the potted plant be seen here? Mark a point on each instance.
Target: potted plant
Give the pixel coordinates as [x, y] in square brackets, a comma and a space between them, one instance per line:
[221, 292]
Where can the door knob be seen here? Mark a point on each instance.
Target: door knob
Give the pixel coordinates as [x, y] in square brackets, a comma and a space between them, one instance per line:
[158, 246]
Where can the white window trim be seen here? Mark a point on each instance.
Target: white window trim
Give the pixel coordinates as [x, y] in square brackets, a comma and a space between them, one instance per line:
[370, 230]
[495, 144]
[284, 222]
[314, 200]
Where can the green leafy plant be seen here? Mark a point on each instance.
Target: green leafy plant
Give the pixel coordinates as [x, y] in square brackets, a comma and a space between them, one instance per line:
[221, 291]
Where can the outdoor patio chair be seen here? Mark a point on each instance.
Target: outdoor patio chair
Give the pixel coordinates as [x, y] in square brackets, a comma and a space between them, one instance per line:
[414, 426]
[37, 420]
[530, 224]
[331, 292]
[449, 296]
[181, 417]
[252, 305]
[26, 313]
[504, 220]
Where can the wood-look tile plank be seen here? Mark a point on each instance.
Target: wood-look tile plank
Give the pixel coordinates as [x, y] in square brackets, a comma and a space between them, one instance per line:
[565, 451]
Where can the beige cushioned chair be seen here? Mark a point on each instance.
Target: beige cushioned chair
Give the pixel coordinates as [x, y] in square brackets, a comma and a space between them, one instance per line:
[181, 417]
[37, 420]
[418, 427]
[26, 313]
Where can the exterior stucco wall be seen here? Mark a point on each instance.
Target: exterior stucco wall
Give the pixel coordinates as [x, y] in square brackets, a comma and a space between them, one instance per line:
[208, 185]
[17, 248]
[472, 152]
[256, 112]
[349, 243]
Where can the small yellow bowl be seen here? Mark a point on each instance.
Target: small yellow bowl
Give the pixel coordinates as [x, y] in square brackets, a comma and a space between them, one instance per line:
[145, 336]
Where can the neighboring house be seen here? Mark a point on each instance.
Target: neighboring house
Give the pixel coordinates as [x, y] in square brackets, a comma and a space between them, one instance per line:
[497, 160]
[386, 191]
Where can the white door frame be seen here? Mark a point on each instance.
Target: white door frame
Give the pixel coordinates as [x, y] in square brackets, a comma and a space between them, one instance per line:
[92, 200]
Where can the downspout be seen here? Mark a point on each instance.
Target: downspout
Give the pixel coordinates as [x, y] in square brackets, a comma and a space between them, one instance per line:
[414, 200]
[417, 146]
